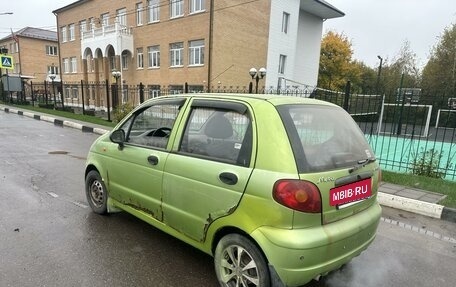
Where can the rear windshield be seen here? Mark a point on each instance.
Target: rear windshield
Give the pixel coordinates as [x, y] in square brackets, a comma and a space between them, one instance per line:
[323, 138]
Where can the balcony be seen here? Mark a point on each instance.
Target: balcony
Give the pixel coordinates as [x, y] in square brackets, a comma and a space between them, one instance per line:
[117, 35]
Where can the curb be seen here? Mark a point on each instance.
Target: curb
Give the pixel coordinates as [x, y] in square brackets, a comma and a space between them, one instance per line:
[416, 206]
[57, 122]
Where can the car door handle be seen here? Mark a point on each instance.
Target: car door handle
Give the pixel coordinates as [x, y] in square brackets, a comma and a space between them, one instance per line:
[228, 178]
[152, 159]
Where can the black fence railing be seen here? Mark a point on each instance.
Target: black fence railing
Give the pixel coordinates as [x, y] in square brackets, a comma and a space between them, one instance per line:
[410, 137]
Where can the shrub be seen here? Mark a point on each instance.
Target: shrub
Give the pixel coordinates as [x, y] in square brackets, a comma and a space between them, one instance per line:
[427, 163]
[121, 111]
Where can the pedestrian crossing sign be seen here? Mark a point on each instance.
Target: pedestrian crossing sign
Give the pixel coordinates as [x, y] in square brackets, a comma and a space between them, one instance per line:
[6, 62]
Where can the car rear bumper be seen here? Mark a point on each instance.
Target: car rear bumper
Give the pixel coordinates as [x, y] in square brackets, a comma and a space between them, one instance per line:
[299, 255]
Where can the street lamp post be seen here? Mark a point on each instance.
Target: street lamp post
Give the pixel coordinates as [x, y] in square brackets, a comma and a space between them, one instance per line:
[116, 74]
[256, 75]
[52, 77]
[378, 75]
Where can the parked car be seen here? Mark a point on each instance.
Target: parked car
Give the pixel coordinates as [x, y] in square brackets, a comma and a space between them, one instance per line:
[279, 190]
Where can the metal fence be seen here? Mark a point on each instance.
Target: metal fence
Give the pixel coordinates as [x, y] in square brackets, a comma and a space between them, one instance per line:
[410, 137]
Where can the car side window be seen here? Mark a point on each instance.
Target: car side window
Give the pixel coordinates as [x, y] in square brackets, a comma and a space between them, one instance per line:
[218, 134]
[152, 126]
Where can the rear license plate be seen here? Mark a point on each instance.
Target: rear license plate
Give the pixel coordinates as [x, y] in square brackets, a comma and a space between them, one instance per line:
[350, 192]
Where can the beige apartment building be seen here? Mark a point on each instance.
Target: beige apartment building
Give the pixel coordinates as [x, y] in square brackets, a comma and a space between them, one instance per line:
[203, 43]
[34, 52]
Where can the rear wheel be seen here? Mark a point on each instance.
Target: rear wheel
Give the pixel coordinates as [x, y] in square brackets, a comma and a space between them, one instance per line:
[238, 262]
[96, 192]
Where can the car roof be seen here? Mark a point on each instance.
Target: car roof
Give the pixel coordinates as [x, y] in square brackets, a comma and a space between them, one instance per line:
[272, 98]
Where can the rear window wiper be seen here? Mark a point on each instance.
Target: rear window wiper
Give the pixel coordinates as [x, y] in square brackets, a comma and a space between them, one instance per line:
[361, 163]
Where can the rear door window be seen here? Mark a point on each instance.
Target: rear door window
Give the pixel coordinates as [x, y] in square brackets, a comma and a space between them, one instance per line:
[221, 133]
[323, 137]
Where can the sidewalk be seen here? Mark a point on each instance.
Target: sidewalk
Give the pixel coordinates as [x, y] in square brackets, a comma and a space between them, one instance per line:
[399, 197]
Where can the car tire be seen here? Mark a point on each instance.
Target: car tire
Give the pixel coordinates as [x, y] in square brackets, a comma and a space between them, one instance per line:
[232, 254]
[96, 193]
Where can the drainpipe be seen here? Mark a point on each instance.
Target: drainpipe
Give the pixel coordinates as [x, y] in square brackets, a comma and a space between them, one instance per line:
[60, 59]
[211, 36]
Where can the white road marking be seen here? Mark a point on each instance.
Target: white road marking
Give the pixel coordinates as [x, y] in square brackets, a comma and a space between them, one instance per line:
[80, 204]
[419, 230]
[52, 194]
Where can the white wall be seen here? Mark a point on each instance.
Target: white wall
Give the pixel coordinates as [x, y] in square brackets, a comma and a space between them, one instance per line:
[301, 44]
[308, 49]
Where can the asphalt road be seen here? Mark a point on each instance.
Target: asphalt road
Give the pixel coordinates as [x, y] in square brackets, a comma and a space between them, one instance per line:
[49, 236]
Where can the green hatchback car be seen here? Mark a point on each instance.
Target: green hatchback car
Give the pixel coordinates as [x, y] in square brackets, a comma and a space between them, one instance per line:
[279, 190]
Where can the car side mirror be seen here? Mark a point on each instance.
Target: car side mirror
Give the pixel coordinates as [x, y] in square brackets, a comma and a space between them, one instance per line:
[118, 137]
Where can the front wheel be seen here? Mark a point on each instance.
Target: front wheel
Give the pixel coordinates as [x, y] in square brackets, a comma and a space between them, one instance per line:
[96, 192]
[238, 262]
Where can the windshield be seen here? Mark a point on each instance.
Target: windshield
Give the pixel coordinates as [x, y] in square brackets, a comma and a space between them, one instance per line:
[324, 137]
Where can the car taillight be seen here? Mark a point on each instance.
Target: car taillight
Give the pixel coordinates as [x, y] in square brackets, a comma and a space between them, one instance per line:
[299, 195]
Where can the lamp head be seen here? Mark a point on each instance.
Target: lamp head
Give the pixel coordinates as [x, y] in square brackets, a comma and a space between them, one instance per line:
[115, 73]
[253, 72]
[262, 72]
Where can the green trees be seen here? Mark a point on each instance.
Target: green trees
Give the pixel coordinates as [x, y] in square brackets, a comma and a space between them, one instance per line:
[337, 67]
[405, 63]
[439, 72]
[335, 61]
[436, 79]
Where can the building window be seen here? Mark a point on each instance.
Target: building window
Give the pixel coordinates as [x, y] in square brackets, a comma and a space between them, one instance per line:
[13, 48]
[154, 56]
[196, 6]
[177, 8]
[121, 17]
[82, 27]
[154, 10]
[124, 61]
[175, 89]
[90, 63]
[91, 23]
[75, 92]
[112, 63]
[52, 70]
[74, 65]
[71, 32]
[282, 63]
[154, 91]
[104, 19]
[196, 53]
[66, 65]
[51, 50]
[139, 58]
[67, 91]
[195, 88]
[285, 22]
[63, 32]
[176, 54]
[139, 14]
